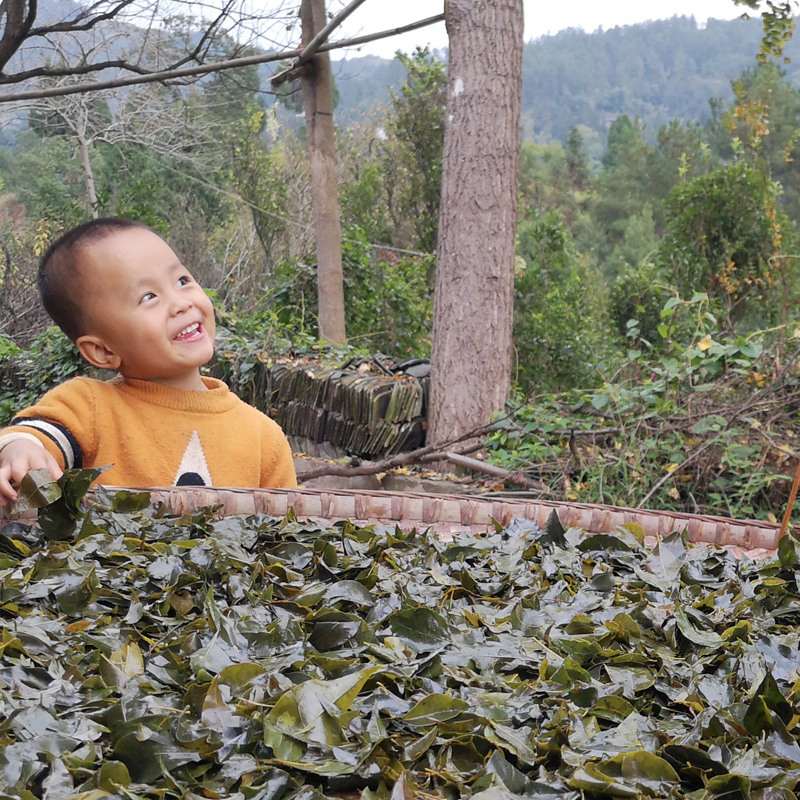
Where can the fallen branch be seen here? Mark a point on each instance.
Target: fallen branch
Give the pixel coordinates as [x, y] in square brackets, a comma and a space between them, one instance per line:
[590, 410]
[496, 472]
[783, 449]
[423, 455]
[774, 384]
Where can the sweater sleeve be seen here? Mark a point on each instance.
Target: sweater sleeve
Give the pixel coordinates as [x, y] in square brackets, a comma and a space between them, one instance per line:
[62, 421]
[277, 465]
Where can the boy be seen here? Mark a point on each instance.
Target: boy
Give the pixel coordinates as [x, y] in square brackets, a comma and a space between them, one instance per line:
[123, 297]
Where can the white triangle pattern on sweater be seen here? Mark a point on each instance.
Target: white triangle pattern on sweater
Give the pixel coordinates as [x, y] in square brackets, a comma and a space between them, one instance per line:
[193, 461]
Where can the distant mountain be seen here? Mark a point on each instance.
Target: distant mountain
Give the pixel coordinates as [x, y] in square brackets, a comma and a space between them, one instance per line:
[365, 81]
[656, 70]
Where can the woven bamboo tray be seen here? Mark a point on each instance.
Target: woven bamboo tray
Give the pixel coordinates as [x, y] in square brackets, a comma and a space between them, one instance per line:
[450, 514]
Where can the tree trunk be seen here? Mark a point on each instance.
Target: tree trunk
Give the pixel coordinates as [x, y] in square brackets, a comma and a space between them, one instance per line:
[473, 301]
[81, 126]
[317, 80]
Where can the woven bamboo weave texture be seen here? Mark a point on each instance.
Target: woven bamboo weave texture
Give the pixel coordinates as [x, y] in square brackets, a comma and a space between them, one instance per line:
[450, 514]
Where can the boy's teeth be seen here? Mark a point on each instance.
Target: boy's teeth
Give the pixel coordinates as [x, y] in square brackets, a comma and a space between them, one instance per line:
[189, 328]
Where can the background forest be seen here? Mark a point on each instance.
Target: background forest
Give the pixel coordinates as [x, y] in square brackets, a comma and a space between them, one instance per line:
[657, 273]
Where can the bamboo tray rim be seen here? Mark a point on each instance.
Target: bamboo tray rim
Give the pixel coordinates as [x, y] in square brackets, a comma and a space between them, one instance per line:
[448, 514]
[479, 498]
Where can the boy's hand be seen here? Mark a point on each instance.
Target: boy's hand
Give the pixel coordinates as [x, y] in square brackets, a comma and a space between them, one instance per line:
[18, 458]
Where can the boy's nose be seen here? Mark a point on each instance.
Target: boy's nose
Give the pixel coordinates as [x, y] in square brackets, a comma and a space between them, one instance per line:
[181, 303]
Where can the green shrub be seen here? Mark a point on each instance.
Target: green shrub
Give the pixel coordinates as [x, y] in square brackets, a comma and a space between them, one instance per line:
[559, 310]
[722, 233]
[699, 425]
[638, 294]
[387, 302]
[27, 375]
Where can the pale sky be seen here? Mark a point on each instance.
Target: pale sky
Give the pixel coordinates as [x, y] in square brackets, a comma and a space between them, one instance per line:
[541, 18]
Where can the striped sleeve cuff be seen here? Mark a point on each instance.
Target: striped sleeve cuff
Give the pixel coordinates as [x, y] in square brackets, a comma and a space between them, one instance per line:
[58, 434]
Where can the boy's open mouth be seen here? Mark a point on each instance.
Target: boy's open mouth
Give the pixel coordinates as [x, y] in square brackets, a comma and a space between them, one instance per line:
[191, 333]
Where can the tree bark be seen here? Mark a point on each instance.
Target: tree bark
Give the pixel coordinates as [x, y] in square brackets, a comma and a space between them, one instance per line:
[17, 17]
[473, 300]
[317, 81]
[80, 127]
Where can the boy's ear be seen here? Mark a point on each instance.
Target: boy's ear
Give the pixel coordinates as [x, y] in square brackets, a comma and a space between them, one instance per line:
[96, 353]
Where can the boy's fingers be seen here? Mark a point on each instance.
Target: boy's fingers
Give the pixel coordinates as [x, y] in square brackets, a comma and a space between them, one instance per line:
[15, 471]
[16, 465]
[6, 489]
[52, 465]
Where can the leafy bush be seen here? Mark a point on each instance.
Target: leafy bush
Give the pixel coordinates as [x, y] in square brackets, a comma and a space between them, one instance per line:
[638, 294]
[387, 302]
[418, 122]
[722, 233]
[22, 243]
[27, 375]
[559, 318]
[706, 423]
[259, 173]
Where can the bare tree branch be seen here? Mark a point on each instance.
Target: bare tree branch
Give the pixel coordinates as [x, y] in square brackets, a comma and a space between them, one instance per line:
[205, 38]
[229, 20]
[314, 45]
[78, 69]
[187, 72]
[423, 455]
[75, 24]
[472, 464]
[670, 475]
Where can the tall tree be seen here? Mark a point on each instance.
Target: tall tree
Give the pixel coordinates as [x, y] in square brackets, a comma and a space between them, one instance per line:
[473, 300]
[317, 79]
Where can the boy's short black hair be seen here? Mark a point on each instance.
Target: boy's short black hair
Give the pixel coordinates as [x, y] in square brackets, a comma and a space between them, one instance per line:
[61, 289]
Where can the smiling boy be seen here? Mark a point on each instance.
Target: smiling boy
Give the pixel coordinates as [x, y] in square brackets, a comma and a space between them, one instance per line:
[127, 302]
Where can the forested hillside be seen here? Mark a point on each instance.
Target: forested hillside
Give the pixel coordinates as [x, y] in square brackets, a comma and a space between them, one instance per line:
[657, 70]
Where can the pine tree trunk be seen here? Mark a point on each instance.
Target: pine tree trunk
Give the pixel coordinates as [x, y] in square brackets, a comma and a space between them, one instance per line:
[473, 301]
[317, 83]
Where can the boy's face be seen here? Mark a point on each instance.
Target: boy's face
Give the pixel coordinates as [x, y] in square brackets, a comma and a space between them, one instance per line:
[145, 314]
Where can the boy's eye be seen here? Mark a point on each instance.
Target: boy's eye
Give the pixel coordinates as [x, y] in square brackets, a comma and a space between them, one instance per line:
[146, 297]
[183, 280]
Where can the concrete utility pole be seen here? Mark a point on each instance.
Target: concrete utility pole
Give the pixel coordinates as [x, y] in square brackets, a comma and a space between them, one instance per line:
[317, 82]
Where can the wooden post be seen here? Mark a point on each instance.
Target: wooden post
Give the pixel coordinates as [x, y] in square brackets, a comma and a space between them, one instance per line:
[317, 82]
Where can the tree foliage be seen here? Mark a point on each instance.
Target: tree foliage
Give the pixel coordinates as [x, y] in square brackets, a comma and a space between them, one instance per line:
[559, 319]
[721, 237]
[417, 121]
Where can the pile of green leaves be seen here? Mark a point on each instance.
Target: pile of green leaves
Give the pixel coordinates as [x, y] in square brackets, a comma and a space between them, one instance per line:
[153, 656]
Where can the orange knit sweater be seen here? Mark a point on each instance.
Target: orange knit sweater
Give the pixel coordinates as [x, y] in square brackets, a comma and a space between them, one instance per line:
[155, 435]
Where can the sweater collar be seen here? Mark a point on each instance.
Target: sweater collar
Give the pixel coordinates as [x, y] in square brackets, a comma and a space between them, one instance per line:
[216, 400]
